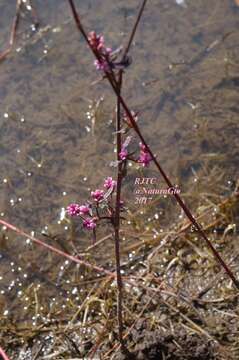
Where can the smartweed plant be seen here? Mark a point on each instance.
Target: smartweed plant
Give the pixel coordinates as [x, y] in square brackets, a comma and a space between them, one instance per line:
[106, 204]
[113, 71]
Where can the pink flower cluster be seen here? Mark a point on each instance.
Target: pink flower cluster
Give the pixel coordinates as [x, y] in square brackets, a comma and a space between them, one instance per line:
[144, 157]
[124, 152]
[96, 41]
[98, 45]
[89, 224]
[109, 183]
[82, 210]
[73, 209]
[97, 195]
[86, 211]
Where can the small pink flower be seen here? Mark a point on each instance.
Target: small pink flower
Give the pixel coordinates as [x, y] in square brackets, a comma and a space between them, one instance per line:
[144, 157]
[109, 183]
[104, 53]
[89, 224]
[96, 41]
[102, 65]
[123, 154]
[84, 210]
[97, 194]
[73, 210]
[107, 51]
[142, 147]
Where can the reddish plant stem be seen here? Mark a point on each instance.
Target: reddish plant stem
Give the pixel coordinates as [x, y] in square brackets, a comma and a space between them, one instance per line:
[117, 219]
[119, 185]
[111, 78]
[57, 251]
[3, 354]
[15, 24]
[141, 10]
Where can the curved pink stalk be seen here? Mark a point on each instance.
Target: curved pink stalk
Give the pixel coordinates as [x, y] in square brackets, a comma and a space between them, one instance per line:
[3, 354]
[57, 251]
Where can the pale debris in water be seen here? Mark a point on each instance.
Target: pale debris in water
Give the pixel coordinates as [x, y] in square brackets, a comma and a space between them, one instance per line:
[33, 27]
[62, 214]
[181, 3]
[74, 291]
[56, 30]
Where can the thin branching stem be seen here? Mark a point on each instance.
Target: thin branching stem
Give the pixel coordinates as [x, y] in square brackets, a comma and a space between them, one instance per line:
[131, 38]
[117, 217]
[119, 185]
